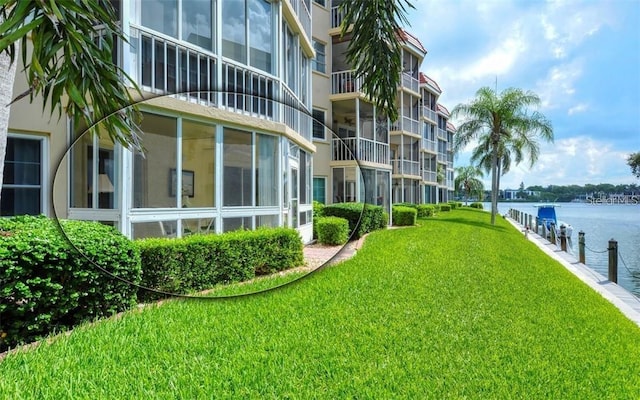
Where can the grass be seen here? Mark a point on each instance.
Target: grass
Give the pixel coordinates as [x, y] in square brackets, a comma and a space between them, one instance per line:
[453, 308]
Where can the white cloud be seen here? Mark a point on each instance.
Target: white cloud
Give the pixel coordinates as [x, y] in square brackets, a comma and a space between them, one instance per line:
[557, 87]
[578, 108]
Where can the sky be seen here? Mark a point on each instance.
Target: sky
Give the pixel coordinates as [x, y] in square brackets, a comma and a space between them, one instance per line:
[581, 57]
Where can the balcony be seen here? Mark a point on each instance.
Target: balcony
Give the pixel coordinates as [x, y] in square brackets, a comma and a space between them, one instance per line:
[293, 116]
[429, 145]
[409, 82]
[405, 167]
[336, 17]
[301, 8]
[429, 176]
[406, 124]
[441, 158]
[359, 149]
[345, 82]
[429, 114]
[442, 134]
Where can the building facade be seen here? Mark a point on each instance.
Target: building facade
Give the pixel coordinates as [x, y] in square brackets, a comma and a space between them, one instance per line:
[250, 112]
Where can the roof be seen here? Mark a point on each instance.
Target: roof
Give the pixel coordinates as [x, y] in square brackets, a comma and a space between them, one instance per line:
[424, 79]
[411, 39]
[443, 110]
[451, 127]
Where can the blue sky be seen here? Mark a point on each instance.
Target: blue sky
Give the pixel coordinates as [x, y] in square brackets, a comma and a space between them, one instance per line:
[581, 57]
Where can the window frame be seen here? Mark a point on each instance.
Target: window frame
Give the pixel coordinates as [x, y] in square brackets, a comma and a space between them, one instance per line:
[316, 123]
[315, 63]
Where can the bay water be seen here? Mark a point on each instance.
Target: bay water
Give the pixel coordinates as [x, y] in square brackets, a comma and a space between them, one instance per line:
[600, 221]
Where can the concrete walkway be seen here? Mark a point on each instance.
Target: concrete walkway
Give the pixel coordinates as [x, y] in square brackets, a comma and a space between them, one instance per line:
[626, 302]
[316, 255]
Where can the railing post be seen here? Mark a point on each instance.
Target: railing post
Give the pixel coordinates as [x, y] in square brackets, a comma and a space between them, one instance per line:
[553, 233]
[581, 257]
[544, 230]
[537, 225]
[563, 238]
[613, 261]
[531, 222]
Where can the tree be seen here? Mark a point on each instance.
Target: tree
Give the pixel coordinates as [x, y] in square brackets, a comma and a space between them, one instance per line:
[375, 50]
[503, 124]
[634, 162]
[468, 180]
[66, 57]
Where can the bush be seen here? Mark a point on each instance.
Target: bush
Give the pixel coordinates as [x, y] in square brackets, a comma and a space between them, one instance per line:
[426, 210]
[373, 217]
[476, 205]
[404, 216]
[318, 211]
[436, 207]
[48, 282]
[412, 205]
[445, 207]
[333, 230]
[200, 262]
[455, 204]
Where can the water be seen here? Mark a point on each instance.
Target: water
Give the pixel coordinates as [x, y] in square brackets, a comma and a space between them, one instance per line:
[600, 223]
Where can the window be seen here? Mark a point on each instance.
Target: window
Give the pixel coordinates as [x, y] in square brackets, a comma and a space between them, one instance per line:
[320, 2]
[22, 179]
[237, 161]
[318, 124]
[320, 189]
[161, 16]
[320, 62]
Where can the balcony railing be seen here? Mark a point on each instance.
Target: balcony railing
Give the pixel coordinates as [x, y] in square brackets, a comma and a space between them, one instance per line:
[301, 8]
[360, 149]
[405, 167]
[164, 66]
[293, 116]
[336, 17]
[429, 176]
[442, 134]
[345, 82]
[429, 114]
[406, 124]
[410, 82]
[441, 157]
[248, 92]
[429, 145]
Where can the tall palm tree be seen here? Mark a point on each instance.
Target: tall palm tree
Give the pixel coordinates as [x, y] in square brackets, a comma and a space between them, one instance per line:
[503, 124]
[66, 59]
[375, 49]
[468, 180]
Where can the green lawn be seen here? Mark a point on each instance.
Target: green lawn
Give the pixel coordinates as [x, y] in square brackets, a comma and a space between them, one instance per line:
[454, 308]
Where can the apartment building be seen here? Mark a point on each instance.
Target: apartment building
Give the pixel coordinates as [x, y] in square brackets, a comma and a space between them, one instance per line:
[236, 93]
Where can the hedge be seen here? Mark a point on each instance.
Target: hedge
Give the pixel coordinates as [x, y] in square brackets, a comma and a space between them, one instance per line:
[404, 216]
[333, 230]
[445, 207]
[47, 286]
[476, 205]
[426, 210]
[412, 205]
[318, 211]
[200, 262]
[373, 217]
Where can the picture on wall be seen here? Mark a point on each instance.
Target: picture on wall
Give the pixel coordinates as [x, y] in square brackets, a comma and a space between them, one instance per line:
[187, 182]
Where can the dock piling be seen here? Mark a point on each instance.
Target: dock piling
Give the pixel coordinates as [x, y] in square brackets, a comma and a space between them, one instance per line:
[552, 231]
[581, 246]
[563, 238]
[613, 261]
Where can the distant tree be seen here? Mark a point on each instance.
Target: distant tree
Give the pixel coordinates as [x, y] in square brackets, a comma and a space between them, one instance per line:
[634, 162]
[374, 50]
[468, 180]
[503, 122]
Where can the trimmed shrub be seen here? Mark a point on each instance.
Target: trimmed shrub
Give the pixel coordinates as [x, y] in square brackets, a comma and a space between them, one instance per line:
[200, 262]
[333, 230]
[436, 207]
[372, 217]
[476, 205]
[426, 210]
[404, 216]
[454, 204]
[412, 205]
[47, 285]
[445, 207]
[318, 211]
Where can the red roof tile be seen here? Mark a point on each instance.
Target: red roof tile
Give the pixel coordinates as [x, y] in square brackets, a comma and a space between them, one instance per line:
[426, 80]
[451, 127]
[411, 39]
[442, 109]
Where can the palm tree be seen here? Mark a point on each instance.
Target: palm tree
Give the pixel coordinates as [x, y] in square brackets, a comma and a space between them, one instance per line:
[375, 50]
[503, 125]
[467, 179]
[68, 58]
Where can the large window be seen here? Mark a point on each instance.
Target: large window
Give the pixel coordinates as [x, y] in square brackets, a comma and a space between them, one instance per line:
[22, 177]
[237, 159]
[196, 22]
[318, 124]
[248, 24]
[290, 58]
[198, 164]
[161, 16]
[320, 62]
[266, 170]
